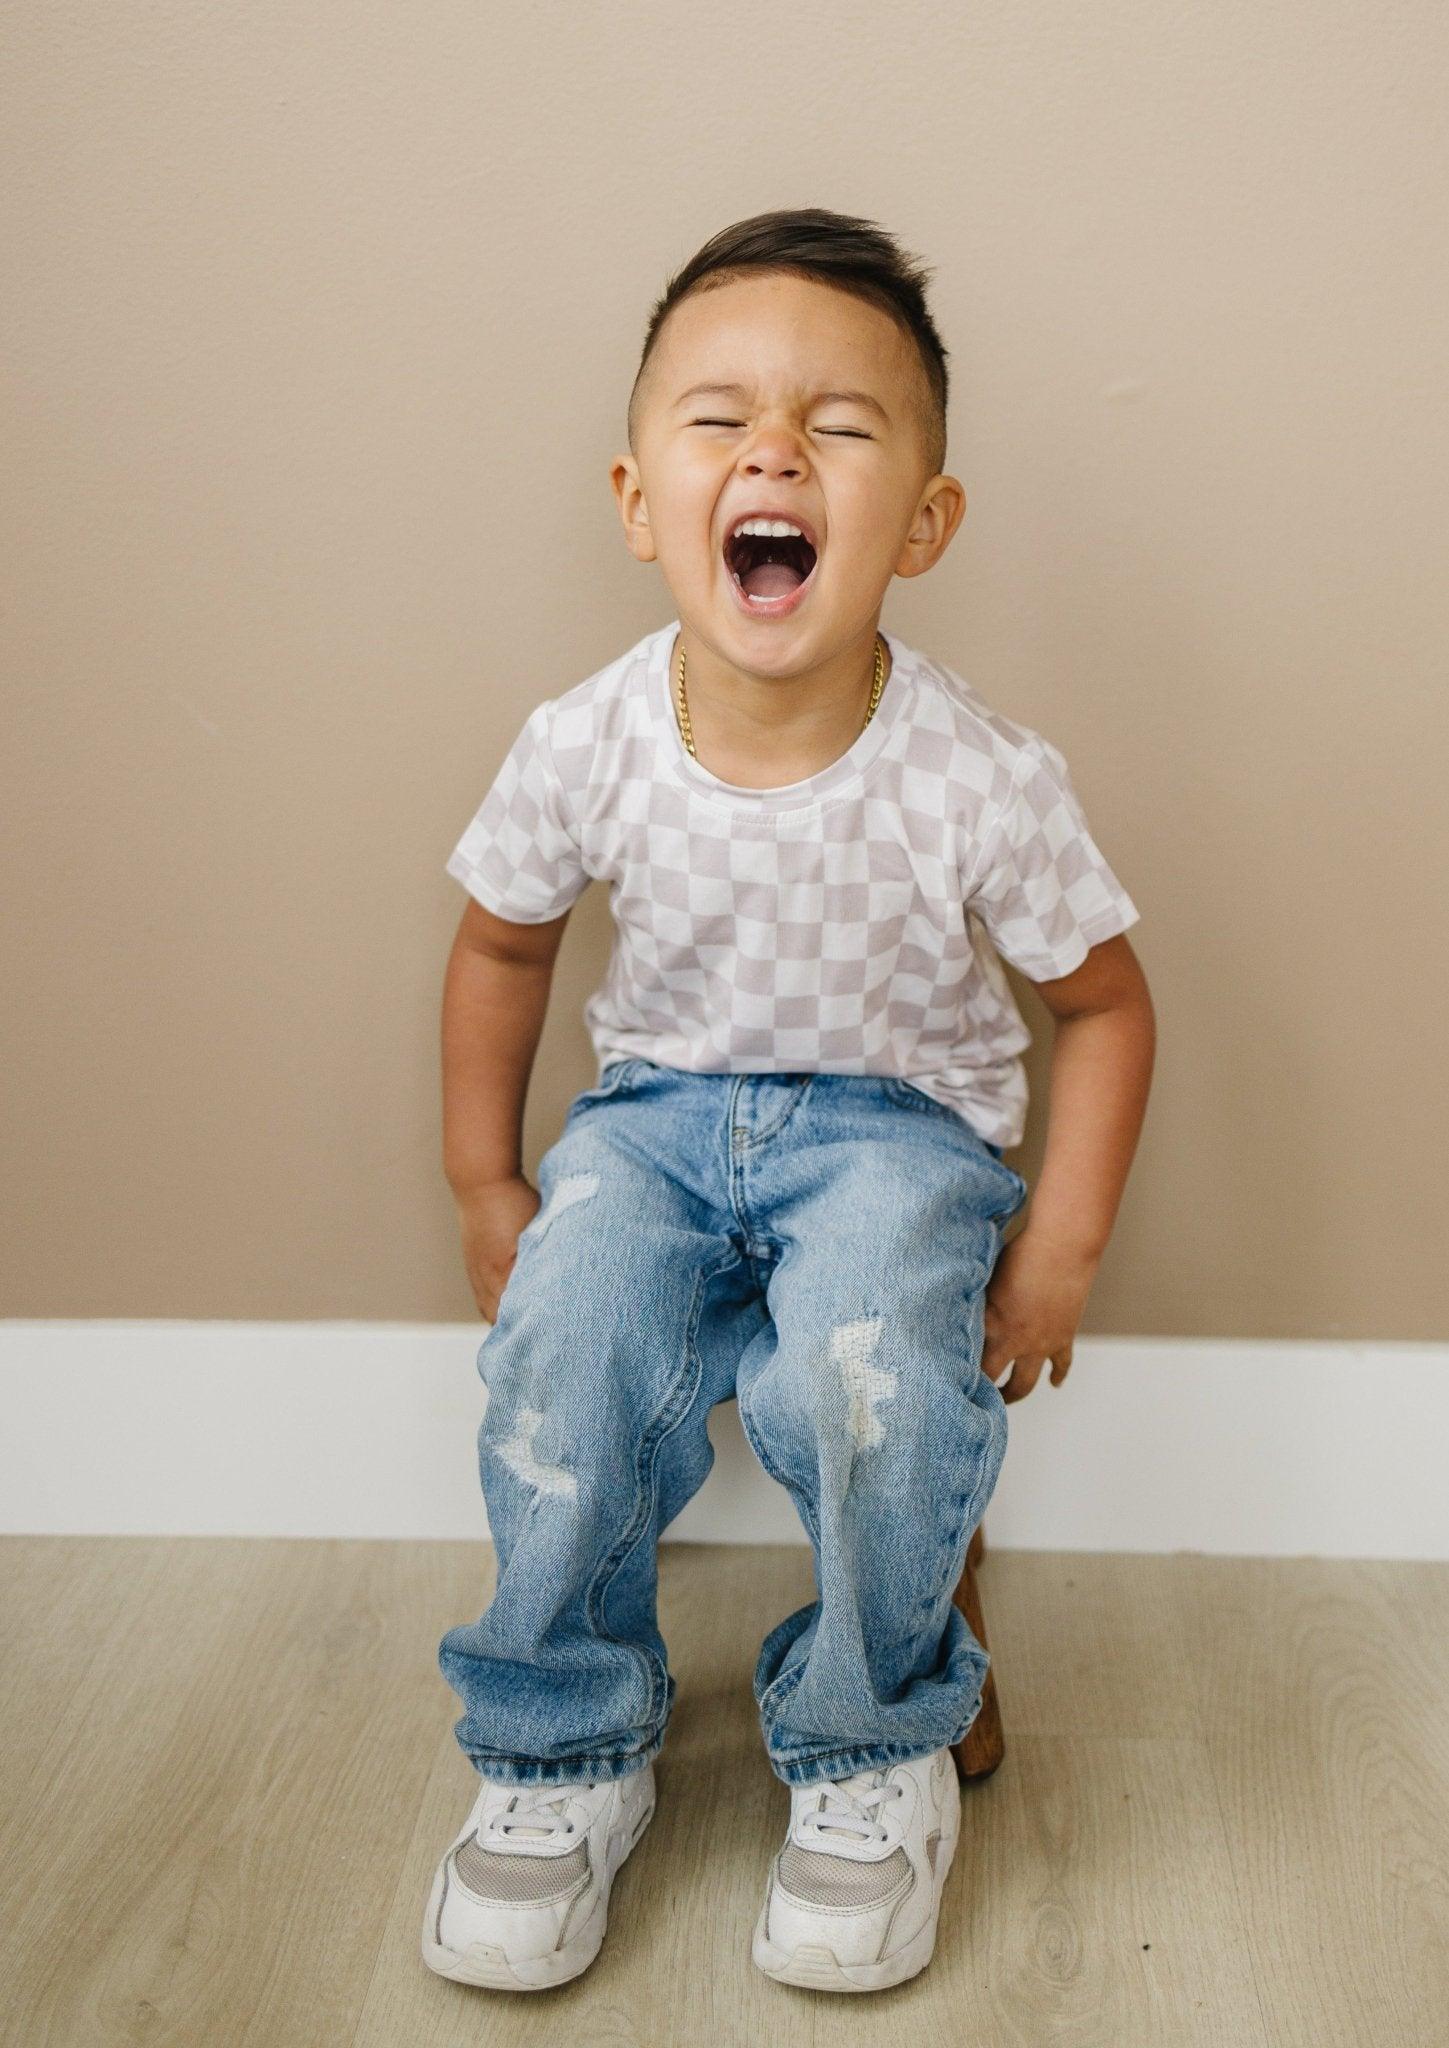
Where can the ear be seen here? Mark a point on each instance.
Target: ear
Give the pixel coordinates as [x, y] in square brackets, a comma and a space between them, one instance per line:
[940, 512]
[629, 493]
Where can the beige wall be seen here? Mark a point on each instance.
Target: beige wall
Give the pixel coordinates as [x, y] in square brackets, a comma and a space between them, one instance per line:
[318, 336]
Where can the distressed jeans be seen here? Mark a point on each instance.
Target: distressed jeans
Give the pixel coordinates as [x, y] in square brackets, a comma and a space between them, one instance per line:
[816, 1247]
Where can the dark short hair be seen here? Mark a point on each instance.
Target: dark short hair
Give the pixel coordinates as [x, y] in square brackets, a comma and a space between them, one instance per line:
[853, 255]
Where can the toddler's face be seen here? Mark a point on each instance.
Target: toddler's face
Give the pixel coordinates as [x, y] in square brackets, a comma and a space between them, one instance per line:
[778, 394]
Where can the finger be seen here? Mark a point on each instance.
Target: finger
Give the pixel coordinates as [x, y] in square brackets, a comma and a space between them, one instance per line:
[1061, 1366]
[995, 1358]
[1024, 1376]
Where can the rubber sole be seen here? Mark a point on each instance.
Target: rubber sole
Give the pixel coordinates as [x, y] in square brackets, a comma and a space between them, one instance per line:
[487, 1965]
[813, 1965]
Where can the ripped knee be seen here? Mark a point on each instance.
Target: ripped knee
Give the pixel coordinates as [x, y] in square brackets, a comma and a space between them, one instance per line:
[542, 1478]
[568, 1192]
[852, 1349]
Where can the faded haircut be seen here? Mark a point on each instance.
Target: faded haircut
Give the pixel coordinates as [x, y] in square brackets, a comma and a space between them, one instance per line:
[836, 249]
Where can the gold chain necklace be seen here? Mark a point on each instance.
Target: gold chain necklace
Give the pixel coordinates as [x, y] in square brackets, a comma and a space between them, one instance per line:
[876, 687]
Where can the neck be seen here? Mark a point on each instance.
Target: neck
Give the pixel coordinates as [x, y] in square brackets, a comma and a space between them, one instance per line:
[738, 707]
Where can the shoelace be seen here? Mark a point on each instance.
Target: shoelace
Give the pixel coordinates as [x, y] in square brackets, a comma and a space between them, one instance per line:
[537, 1811]
[841, 1811]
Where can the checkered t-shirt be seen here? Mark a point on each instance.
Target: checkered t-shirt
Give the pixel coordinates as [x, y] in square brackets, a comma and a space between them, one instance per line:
[845, 924]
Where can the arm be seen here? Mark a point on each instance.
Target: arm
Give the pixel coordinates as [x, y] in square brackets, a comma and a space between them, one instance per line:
[495, 997]
[1102, 1057]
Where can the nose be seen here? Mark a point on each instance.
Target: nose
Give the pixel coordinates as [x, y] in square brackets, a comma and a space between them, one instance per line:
[774, 451]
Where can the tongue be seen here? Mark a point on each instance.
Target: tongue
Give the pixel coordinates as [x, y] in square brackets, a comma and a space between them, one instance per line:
[771, 579]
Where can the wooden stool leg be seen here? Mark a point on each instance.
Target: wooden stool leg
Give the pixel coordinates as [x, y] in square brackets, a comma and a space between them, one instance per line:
[983, 1746]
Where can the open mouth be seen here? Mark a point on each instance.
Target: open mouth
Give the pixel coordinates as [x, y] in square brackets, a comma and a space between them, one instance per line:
[769, 569]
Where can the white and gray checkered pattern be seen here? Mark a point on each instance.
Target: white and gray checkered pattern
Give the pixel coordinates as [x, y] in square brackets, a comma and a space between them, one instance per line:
[843, 924]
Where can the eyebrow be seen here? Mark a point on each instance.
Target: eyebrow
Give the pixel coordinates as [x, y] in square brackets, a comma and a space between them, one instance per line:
[821, 397]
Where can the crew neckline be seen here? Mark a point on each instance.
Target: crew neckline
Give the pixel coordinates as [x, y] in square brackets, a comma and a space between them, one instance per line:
[830, 780]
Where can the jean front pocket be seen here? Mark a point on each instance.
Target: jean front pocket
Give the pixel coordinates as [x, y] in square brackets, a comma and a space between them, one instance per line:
[907, 1096]
[614, 1079]
[1022, 1189]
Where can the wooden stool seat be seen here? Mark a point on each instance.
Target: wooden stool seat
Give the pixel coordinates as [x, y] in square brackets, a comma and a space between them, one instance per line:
[983, 1745]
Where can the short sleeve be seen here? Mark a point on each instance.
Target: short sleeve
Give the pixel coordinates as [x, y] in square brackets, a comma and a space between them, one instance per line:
[520, 855]
[1043, 888]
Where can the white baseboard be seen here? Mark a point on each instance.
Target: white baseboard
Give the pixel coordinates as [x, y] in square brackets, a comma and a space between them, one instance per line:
[369, 1429]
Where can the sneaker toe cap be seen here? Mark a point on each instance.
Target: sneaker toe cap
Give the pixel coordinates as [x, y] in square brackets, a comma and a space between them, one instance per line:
[526, 1908]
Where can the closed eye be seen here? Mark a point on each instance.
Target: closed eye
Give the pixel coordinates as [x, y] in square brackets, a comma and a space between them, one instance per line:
[852, 433]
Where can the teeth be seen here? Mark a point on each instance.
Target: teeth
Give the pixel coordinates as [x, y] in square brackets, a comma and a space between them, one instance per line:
[768, 529]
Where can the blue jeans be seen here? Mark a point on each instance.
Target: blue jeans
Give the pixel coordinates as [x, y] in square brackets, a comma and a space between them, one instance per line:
[817, 1247]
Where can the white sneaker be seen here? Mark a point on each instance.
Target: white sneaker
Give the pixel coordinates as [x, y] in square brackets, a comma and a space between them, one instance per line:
[855, 1894]
[521, 1898]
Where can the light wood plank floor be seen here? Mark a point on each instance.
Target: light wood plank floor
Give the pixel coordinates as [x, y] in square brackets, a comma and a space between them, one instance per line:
[228, 1770]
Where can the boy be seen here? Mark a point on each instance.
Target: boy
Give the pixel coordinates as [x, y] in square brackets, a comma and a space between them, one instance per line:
[787, 1186]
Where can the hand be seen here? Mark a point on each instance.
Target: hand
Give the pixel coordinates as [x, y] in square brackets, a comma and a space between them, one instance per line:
[1034, 1303]
[491, 1219]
